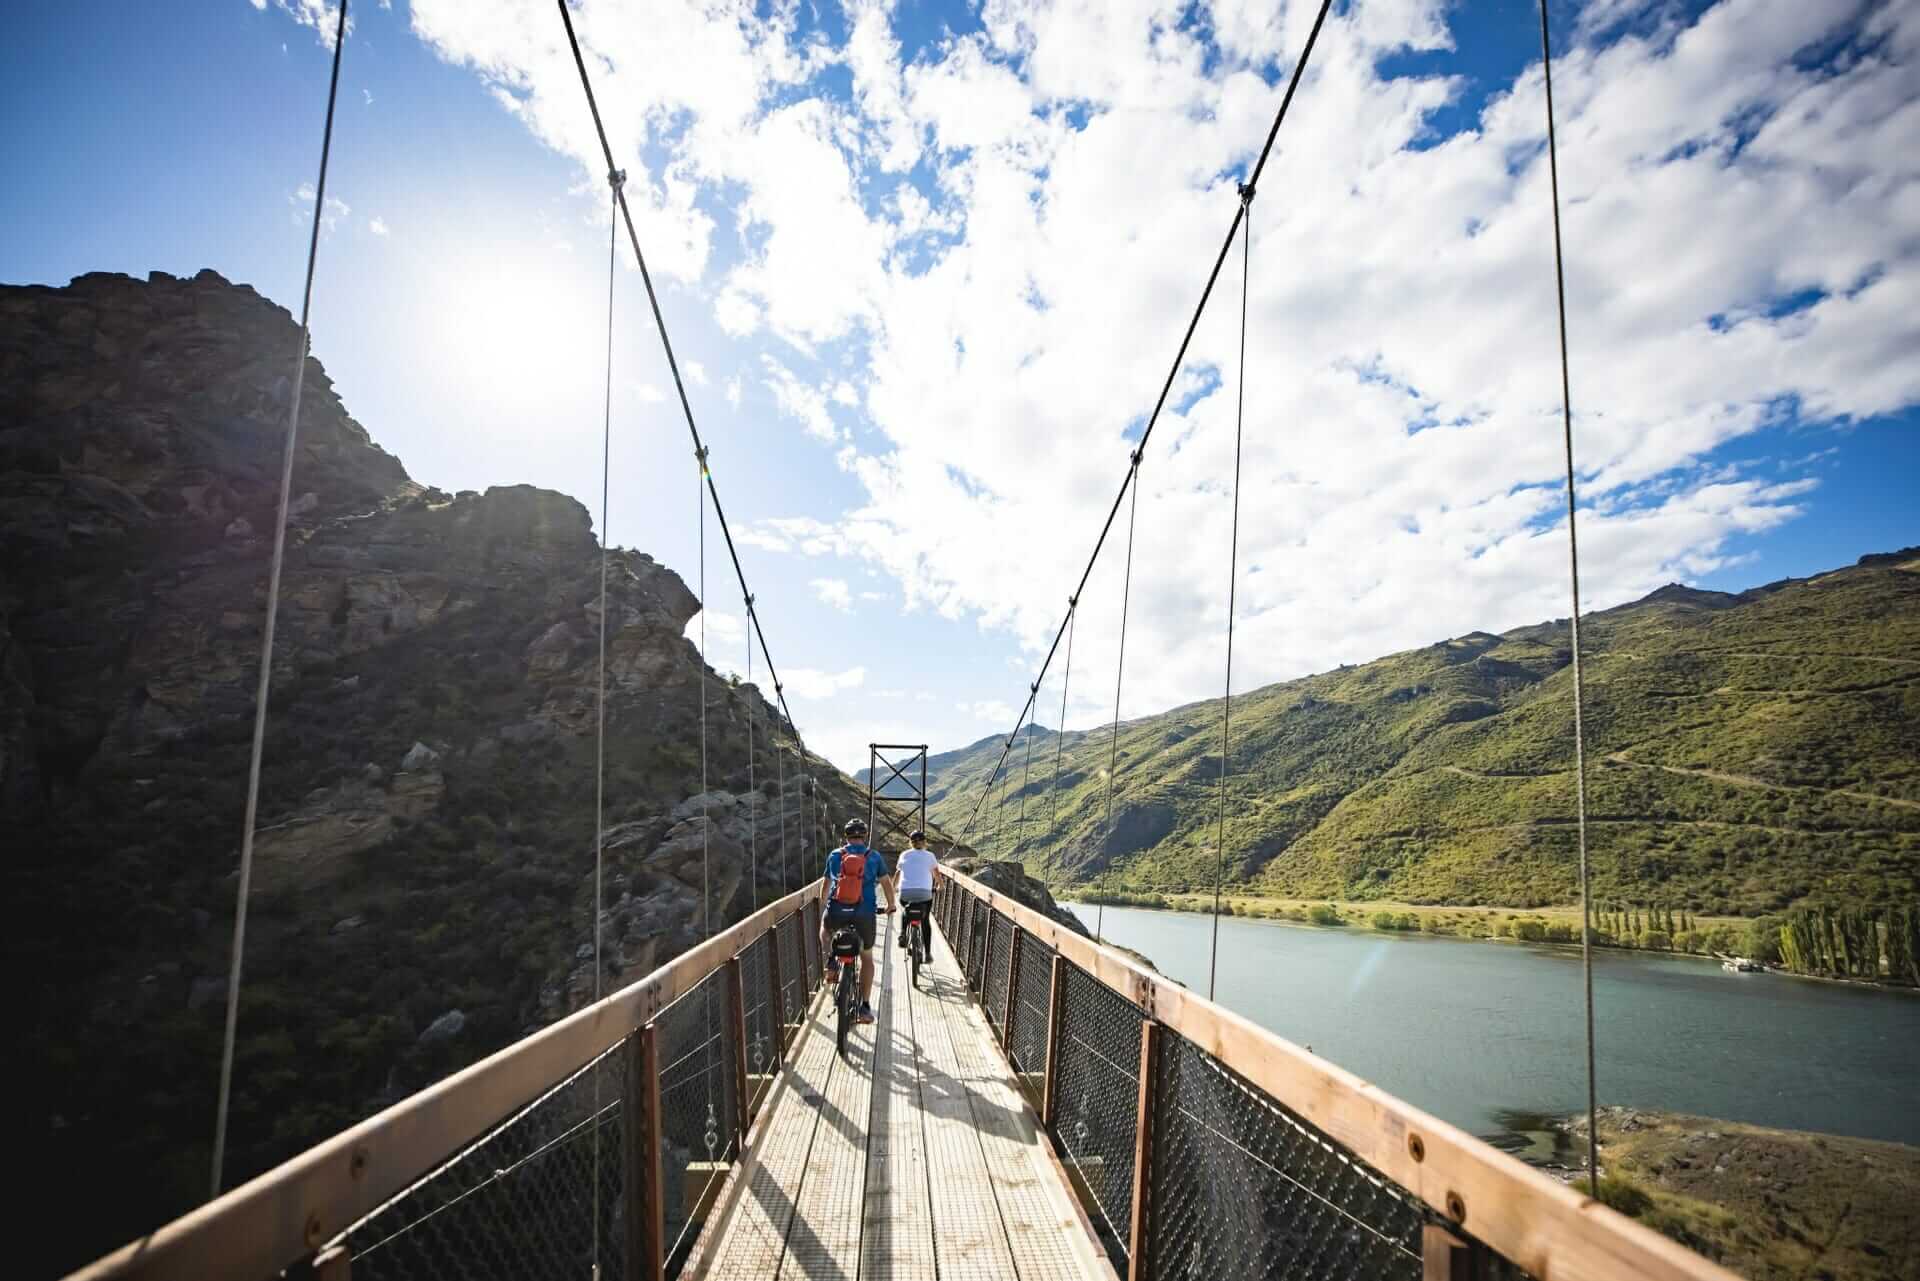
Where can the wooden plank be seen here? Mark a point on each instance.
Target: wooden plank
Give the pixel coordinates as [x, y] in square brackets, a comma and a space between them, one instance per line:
[273, 1221]
[646, 1184]
[824, 1240]
[1047, 1233]
[1140, 1223]
[1547, 1228]
[896, 1240]
[749, 1242]
[969, 1237]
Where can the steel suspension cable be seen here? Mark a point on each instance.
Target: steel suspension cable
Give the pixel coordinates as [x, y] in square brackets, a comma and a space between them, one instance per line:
[753, 794]
[1119, 668]
[1060, 730]
[1180, 356]
[786, 851]
[1027, 768]
[1233, 581]
[1573, 575]
[673, 363]
[258, 749]
[614, 181]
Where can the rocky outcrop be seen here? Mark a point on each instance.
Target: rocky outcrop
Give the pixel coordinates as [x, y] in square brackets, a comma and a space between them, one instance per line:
[1011, 879]
[425, 844]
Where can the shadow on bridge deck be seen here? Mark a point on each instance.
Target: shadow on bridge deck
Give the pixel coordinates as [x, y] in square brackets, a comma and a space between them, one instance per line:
[917, 1152]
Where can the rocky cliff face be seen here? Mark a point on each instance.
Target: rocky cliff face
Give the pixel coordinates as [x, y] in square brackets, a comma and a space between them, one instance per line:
[426, 838]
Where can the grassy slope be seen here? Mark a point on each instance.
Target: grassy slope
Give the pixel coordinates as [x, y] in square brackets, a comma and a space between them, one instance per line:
[1773, 1205]
[1743, 752]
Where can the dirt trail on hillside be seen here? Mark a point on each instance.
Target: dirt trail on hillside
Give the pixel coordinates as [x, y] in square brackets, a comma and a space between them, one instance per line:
[1748, 780]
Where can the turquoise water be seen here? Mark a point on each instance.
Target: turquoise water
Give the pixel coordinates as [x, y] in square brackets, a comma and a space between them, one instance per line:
[1477, 1032]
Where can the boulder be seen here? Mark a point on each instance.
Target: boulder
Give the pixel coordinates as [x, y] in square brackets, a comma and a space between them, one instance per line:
[418, 757]
[444, 1028]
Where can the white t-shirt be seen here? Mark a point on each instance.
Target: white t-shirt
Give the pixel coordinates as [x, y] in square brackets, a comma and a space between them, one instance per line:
[915, 870]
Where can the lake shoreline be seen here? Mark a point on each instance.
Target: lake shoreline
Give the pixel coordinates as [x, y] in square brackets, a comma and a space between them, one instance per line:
[1173, 905]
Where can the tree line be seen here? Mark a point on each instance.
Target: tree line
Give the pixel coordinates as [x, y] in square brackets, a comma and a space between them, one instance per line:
[1853, 942]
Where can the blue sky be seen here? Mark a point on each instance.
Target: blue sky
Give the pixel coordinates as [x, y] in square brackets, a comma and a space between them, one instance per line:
[928, 263]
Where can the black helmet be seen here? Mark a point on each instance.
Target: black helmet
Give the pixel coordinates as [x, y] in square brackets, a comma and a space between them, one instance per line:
[855, 827]
[916, 836]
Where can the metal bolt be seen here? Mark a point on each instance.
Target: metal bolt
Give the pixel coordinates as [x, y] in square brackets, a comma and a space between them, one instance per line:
[357, 1163]
[314, 1235]
[1456, 1208]
[1416, 1147]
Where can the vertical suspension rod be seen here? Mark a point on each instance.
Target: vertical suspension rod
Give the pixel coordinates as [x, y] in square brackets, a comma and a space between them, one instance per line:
[1573, 577]
[266, 640]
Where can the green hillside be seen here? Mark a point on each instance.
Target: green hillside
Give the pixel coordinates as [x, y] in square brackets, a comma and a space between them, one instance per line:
[1745, 752]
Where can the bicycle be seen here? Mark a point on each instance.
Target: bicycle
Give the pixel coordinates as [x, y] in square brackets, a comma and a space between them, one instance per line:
[845, 951]
[914, 922]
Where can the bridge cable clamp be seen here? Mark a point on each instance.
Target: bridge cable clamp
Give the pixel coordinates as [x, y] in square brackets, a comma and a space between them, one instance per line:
[1246, 193]
[616, 178]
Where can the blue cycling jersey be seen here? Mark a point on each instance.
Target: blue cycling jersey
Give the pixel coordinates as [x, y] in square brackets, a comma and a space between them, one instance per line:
[869, 896]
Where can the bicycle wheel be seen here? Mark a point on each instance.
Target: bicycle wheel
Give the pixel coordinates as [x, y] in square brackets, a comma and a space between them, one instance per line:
[844, 999]
[913, 951]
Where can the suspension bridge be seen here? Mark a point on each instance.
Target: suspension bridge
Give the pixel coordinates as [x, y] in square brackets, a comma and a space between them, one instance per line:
[1038, 1105]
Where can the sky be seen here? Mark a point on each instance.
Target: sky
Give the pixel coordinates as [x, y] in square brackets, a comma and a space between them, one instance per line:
[926, 267]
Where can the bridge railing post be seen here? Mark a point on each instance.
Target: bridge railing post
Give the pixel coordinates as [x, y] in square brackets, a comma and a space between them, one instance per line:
[737, 1031]
[1444, 1256]
[777, 995]
[1140, 1245]
[1049, 1092]
[645, 1177]
[1011, 1008]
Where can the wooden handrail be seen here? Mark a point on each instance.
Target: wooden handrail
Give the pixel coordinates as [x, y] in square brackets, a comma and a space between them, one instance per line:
[273, 1221]
[1543, 1225]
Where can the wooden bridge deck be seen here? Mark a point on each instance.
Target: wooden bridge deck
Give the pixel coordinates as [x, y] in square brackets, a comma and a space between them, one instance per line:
[917, 1159]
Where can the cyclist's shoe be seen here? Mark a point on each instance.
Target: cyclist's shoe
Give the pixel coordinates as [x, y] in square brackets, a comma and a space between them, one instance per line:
[865, 1015]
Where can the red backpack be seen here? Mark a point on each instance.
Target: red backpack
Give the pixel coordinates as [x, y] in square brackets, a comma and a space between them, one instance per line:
[849, 887]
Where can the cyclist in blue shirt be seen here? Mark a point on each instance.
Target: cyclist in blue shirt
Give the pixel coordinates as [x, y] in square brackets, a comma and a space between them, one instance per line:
[852, 901]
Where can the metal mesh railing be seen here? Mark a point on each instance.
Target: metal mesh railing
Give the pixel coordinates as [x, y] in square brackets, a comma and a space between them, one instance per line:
[1097, 1080]
[993, 989]
[697, 1106]
[789, 939]
[1236, 1183]
[1031, 992]
[1242, 1187]
[518, 1204]
[982, 940]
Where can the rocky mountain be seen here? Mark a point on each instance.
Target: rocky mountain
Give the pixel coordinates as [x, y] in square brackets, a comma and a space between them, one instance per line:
[425, 850]
[1745, 753]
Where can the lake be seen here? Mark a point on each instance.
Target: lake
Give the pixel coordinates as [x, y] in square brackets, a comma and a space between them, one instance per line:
[1476, 1033]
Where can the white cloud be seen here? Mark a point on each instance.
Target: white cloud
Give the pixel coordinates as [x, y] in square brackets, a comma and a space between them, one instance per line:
[988, 709]
[799, 401]
[648, 394]
[813, 684]
[369, 96]
[1007, 314]
[377, 225]
[834, 592]
[696, 372]
[323, 18]
[335, 210]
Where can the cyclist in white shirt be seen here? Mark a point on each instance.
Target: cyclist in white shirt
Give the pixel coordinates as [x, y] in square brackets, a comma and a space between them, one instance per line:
[913, 874]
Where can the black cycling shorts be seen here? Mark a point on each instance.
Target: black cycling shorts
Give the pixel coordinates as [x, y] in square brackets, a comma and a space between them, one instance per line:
[864, 922]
